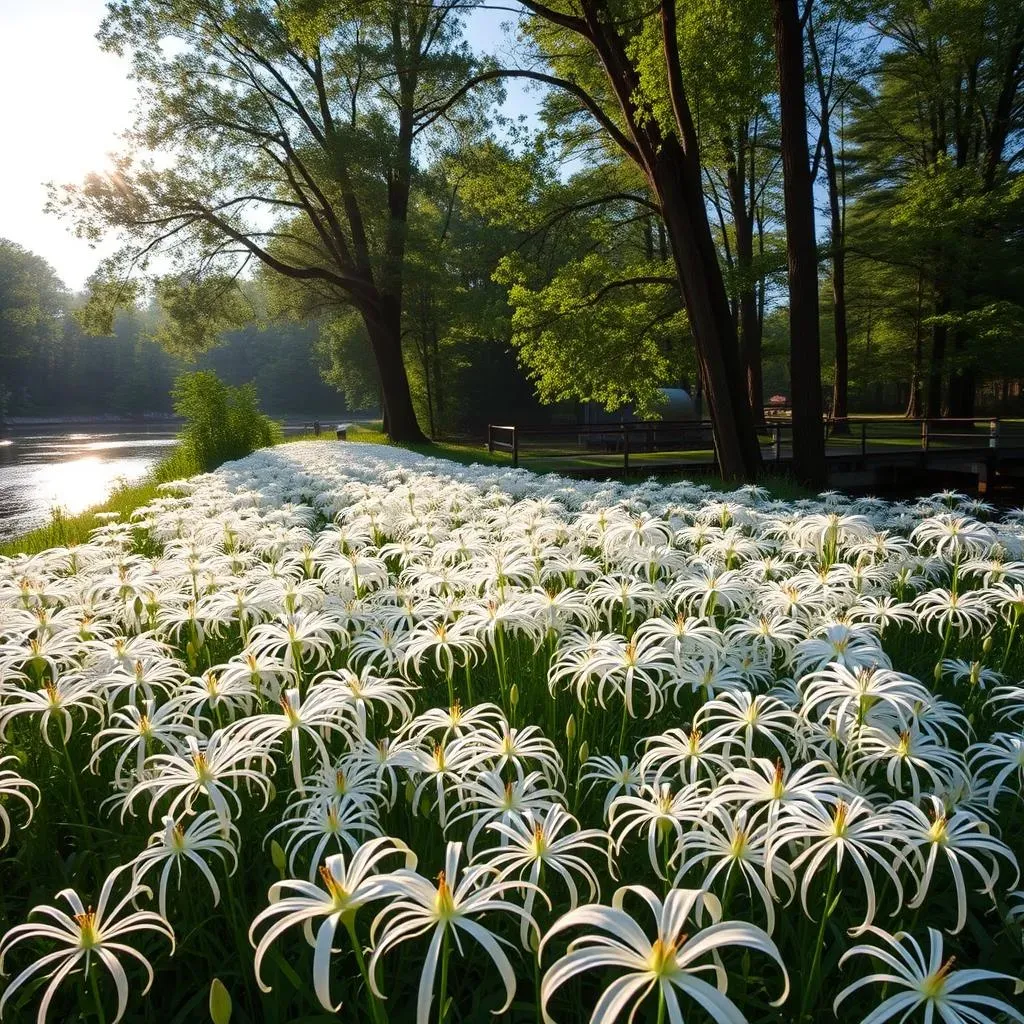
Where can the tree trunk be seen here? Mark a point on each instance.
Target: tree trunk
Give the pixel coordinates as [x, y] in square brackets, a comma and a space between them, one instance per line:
[940, 335]
[837, 233]
[801, 247]
[384, 328]
[962, 392]
[914, 400]
[707, 306]
[749, 322]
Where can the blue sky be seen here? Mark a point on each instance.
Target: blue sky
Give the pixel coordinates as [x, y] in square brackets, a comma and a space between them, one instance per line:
[66, 103]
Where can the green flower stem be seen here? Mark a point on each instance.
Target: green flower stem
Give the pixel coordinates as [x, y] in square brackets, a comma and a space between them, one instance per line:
[499, 635]
[73, 776]
[377, 1011]
[100, 1015]
[1010, 639]
[442, 1008]
[816, 960]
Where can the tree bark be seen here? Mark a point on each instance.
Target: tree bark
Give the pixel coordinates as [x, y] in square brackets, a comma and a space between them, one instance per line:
[707, 306]
[801, 247]
[383, 324]
[738, 175]
[837, 240]
[914, 399]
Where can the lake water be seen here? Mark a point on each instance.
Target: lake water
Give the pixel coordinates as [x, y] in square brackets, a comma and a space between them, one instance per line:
[72, 466]
[76, 465]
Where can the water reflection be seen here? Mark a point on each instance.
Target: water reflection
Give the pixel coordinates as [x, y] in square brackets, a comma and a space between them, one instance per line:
[72, 468]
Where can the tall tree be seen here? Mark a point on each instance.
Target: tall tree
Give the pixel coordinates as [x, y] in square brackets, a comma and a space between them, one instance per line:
[629, 44]
[728, 57]
[289, 134]
[837, 60]
[801, 245]
[938, 143]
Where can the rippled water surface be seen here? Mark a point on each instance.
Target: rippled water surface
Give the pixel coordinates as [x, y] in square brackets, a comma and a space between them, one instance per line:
[71, 466]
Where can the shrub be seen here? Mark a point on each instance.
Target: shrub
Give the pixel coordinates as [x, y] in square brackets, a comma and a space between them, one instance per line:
[221, 422]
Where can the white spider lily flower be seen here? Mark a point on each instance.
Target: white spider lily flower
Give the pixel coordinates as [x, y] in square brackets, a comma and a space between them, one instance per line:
[86, 935]
[296, 636]
[948, 610]
[492, 800]
[505, 746]
[379, 647]
[927, 982]
[722, 843]
[52, 701]
[849, 829]
[1007, 704]
[622, 774]
[133, 730]
[769, 635]
[314, 718]
[952, 536]
[364, 691]
[210, 772]
[836, 643]
[775, 789]
[909, 752]
[455, 720]
[1003, 756]
[417, 907]
[696, 756]
[740, 718]
[445, 766]
[347, 886]
[215, 697]
[173, 845]
[13, 786]
[532, 844]
[955, 838]
[449, 643]
[683, 636]
[327, 822]
[854, 697]
[710, 589]
[660, 812]
[670, 965]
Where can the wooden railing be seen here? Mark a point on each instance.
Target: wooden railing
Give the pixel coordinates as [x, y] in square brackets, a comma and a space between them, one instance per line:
[631, 446]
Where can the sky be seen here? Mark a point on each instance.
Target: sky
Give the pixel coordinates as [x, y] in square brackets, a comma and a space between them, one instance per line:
[66, 103]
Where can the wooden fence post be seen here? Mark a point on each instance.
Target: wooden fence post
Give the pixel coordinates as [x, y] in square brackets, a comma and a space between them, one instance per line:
[625, 449]
[490, 439]
[515, 446]
[863, 438]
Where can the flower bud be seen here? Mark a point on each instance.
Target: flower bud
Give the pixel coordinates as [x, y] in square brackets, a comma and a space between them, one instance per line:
[513, 697]
[986, 644]
[277, 856]
[220, 1002]
[570, 728]
[938, 672]
[584, 752]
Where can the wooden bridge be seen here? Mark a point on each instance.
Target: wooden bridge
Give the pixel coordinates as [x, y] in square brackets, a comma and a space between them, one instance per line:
[868, 452]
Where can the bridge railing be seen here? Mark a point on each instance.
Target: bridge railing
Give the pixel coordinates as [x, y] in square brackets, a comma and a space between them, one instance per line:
[654, 445]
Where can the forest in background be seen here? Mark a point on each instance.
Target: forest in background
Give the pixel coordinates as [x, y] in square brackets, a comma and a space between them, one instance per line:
[648, 228]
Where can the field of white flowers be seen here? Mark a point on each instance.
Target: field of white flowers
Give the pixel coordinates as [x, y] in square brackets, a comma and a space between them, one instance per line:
[374, 737]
